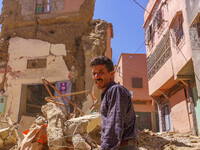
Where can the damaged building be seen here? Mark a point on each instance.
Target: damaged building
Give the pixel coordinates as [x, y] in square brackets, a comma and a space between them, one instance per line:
[54, 39]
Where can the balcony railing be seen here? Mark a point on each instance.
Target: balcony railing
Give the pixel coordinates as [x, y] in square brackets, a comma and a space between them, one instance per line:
[159, 56]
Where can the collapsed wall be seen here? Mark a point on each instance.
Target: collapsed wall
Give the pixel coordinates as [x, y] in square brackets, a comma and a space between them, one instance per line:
[64, 39]
[56, 132]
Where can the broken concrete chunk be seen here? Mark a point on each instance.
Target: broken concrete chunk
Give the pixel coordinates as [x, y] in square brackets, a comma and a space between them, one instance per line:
[8, 137]
[55, 118]
[25, 124]
[72, 128]
[51, 111]
[94, 124]
[85, 130]
[80, 143]
[58, 49]
[4, 133]
[81, 125]
[11, 140]
[40, 120]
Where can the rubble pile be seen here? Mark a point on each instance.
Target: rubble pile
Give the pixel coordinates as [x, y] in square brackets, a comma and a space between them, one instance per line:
[55, 119]
[168, 141]
[76, 133]
[56, 131]
[7, 138]
[84, 132]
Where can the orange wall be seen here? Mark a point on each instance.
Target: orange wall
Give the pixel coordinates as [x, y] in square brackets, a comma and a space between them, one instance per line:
[179, 112]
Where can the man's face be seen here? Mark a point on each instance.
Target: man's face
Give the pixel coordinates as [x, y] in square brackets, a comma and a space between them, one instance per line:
[101, 76]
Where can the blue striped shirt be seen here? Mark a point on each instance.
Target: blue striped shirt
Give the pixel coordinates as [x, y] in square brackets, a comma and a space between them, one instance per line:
[118, 117]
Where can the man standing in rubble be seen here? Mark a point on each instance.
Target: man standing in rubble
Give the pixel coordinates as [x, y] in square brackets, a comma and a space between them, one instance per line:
[118, 125]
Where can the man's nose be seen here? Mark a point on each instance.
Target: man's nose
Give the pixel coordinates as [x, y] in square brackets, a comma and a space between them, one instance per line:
[96, 75]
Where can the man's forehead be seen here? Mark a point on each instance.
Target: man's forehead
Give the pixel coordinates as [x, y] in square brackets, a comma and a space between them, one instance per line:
[98, 68]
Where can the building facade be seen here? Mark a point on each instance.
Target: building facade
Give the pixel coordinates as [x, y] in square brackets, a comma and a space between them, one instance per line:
[131, 72]
[171, 63]
[55, 39]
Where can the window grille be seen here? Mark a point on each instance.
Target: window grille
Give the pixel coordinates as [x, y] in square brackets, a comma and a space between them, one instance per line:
[159, 18]
[198, 29]
[42, 6]
[178, 29]
[137, 83]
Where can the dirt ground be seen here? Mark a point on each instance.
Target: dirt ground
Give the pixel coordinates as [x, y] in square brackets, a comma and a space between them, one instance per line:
[168, 141]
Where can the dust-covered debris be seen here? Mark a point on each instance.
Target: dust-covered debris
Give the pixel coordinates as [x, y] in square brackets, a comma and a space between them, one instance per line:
[55, 118]
[168, 141]
[83, 133]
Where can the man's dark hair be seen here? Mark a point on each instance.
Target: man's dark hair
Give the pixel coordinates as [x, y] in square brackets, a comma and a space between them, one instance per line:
[102, 60]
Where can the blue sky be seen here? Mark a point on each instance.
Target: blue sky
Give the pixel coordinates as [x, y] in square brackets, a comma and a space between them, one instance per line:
[127, 19]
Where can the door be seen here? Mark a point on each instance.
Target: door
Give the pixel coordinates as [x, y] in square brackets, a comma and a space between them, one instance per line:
[167, 117]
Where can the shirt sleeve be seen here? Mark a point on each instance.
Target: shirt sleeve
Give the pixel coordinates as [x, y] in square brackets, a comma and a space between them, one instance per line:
[116, 102]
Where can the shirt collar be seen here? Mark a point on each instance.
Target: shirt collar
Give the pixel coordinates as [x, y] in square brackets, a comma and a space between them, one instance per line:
[109, 85]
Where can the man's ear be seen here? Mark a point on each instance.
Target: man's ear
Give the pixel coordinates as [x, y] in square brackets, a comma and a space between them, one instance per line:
[112, 73]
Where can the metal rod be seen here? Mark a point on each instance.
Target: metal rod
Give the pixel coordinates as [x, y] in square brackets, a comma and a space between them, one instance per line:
[48, 100]
[62, 107]
[47, 88]
[69, 94]
[64, 97]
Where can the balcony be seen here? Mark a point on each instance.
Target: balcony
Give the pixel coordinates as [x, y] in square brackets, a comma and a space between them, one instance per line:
[159, 56]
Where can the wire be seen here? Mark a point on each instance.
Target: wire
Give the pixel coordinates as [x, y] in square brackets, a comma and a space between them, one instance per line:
[170, 35]
[145, 10]
[140, 47]
[141, 6]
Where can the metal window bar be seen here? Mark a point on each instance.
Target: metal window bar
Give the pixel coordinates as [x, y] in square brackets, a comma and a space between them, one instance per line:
[42, 8]
[178, 29]
[159, 18]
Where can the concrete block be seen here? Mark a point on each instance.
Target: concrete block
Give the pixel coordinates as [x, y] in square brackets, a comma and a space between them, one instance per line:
[58, 49]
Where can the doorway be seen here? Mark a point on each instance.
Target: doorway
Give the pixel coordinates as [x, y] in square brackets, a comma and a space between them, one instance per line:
[33, 98]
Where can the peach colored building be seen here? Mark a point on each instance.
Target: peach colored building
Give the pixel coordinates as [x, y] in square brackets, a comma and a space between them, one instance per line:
[171, 63]
[131, 72]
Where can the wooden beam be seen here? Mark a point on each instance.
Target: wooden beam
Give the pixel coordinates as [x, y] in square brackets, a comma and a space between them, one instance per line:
[183, 77]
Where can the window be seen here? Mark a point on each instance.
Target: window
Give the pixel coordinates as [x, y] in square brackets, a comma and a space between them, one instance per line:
[198, 29]
[36, 63]
[137, 83]
[149, 34]
[177, 27]
[159, 18]
[42, 6]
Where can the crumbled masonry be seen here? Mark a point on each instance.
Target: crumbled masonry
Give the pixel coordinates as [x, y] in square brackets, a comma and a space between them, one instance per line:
[83, 133]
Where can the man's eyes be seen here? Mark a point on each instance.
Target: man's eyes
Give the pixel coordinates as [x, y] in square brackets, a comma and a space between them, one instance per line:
[99, 73]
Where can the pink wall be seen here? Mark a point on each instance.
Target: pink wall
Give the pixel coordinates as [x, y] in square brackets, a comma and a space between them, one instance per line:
[146, 108]
[181, 54]
[135, 65]
[179, 112]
